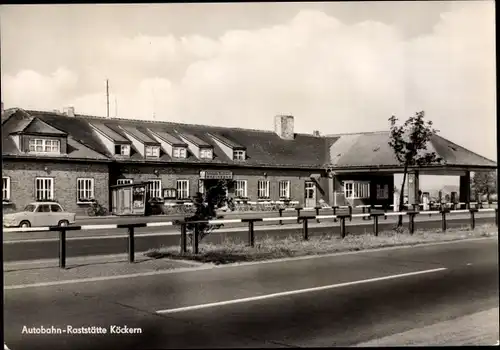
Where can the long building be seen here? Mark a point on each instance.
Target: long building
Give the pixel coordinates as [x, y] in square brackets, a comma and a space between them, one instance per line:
[71, 158]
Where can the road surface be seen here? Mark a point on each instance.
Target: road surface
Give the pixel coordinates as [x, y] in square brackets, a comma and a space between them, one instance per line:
[338, 300]
[45, 245]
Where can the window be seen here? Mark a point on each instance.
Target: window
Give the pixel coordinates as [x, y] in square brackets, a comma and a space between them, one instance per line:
[84, 189]
[179, 152]
[44, 146]
[239, 155]
[182, 189]
[123, 150]
[240, 188]
[206, 153]
[263, 189]
[44, 188]
[154, 188]
[354, 189]
[124, 181]
[5, 188]
[152, 151]
[284, 189]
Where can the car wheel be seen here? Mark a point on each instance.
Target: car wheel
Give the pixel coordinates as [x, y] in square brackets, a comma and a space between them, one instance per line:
[63, 223]
[25, 224]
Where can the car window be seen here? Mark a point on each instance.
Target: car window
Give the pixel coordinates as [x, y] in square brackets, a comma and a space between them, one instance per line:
[30, 208]
[44, 208]
[55, 208]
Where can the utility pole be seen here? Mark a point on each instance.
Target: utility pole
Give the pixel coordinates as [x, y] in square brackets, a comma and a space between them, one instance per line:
[107, 98]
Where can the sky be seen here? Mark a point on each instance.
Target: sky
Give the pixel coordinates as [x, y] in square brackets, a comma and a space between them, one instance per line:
[337, 67]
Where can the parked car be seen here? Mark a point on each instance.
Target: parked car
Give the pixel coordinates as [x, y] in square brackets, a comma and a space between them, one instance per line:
[40, 214]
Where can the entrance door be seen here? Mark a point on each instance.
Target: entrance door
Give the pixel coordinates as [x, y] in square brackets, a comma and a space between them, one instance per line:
[310, 194]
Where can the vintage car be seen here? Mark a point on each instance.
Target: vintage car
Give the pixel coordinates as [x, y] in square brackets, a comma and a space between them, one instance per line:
[39, 214]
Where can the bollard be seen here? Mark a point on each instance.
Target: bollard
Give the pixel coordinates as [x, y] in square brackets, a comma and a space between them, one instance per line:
[62, 249]
[131, 251]
[350, 213]
[304, 228]
[183, 238]
[195, 239]
[281, 215]
[335, 213]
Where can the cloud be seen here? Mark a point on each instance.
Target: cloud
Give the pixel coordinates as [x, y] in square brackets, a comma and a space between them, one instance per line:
[334, 77]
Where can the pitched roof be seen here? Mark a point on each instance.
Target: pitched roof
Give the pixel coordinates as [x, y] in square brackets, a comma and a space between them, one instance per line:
[38, 126]
[141, 136]
[194, 139]
[263, 148]
[169, 138]
[223, 137]
[101, 127]
[372, 149]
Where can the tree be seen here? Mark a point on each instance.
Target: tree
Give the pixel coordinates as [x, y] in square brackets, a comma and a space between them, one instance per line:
[409, 143]
[205, 207]
[484, 183]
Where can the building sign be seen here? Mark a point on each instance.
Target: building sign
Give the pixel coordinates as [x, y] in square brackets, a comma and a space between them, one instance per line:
[382, 191]
[216, 175]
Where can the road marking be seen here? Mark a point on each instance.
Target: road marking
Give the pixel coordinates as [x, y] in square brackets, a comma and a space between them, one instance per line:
[295, 292]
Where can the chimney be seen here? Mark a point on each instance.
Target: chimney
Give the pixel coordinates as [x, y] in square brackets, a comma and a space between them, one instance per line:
[283, 126]
[316, 133]
[69, 111]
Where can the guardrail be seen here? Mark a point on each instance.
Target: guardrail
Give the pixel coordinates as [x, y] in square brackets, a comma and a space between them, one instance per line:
[251, 221]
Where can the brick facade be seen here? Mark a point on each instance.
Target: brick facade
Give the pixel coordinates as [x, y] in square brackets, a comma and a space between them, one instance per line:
[22, 176]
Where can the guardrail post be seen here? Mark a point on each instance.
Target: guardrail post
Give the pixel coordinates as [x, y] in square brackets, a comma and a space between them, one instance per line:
[411, 225]
[251, 234]
[195, 238]
[183, 238]
[375, 224]
[342, 225]
[443, 219]
[298, 214]
[305, 230]
[317, 213]
[350, 213]
[364, 211]
[62, 248]
[281, 215]
[472, 219]
[335, 213]
[131, 250]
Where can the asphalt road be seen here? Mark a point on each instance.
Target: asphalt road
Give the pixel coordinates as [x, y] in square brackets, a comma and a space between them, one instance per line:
[30, 246]
[466, 283]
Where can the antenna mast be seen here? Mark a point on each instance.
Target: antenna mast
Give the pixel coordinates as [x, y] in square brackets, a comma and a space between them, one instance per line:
[107, 98]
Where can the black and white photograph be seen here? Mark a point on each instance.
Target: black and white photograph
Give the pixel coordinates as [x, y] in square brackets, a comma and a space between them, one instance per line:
[249, 175]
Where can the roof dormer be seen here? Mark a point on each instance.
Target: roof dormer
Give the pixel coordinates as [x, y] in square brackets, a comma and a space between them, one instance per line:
[197, 146]
[116, 144]
[34, 136]
[174, 147]
[147, 146]
[231, 148]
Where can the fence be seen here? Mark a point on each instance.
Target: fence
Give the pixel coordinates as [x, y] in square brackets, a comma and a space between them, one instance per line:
[375, 216]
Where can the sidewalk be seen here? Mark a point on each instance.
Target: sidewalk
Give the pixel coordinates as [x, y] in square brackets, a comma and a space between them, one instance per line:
[47, 270]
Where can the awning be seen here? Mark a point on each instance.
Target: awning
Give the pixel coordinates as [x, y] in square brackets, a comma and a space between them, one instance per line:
[216, 175]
